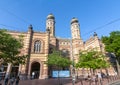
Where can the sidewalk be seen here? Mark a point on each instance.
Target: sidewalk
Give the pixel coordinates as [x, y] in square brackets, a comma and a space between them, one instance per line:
[87, 82]
[63, 81]
[68, 81]
[117, 82]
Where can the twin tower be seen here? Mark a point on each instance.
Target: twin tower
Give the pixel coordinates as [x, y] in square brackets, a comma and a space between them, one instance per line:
[75, 27]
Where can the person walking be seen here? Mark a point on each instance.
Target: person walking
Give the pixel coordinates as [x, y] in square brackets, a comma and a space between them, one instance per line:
[12, 80]
[33, 75]
[17, 80]
[99, 78]
[6, 81]
[94, 79]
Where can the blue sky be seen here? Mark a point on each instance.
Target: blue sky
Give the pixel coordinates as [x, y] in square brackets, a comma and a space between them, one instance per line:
[92, 15]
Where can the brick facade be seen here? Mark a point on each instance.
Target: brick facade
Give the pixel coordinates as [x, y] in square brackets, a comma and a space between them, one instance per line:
[48, 41]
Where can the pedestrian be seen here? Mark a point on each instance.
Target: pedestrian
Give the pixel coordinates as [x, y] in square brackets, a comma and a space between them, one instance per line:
[12, 80]
[89, 79]
[103, 75]
[99, 78]
[33, 75]
[94, 79]
[17, 80]
[6, 81]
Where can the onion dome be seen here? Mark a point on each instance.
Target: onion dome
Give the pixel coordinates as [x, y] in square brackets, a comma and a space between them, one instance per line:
[74, 20]
[50, 16]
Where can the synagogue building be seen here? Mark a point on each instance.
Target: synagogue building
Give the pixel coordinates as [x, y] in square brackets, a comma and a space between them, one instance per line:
[38, 45]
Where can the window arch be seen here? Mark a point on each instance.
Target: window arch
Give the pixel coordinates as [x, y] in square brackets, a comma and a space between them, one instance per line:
[37, 46]
[65, 52]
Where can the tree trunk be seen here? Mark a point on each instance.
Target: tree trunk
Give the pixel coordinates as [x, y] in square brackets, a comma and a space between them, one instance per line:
[83, 73]
[87, 71]
[91, 71]
[8, 70]
[1, 61]
[77, 73]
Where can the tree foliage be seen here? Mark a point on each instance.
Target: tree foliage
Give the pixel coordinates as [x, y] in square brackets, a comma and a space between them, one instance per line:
[92, 59]
[56, 59]
[10, 48]
[112, 43]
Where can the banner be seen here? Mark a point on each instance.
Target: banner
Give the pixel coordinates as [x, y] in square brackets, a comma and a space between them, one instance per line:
[63, 73]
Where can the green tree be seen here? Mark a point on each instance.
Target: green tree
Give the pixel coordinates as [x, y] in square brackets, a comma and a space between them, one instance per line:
[92, 59]
[10, 49]
[57, 60]
[112, 43]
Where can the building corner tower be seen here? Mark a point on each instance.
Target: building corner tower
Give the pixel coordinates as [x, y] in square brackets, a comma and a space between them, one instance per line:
[77, 42]
[50, 24]
[75, 28]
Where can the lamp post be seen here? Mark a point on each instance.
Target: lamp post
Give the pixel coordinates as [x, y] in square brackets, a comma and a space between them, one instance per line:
[73, 69]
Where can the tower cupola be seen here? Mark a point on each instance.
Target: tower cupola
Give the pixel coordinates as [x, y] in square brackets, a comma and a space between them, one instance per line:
[75, 28]
[50, 16]
[50, 24]
[74, 20]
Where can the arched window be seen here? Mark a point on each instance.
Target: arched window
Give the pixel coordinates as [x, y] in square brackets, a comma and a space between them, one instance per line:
[65, 52]
[37, 46]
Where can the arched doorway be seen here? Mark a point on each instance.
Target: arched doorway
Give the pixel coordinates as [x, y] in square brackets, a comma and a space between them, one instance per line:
[35, 68]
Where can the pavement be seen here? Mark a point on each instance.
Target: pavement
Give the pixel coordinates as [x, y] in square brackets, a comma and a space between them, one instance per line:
[117, 82]
[63, 81]
[67, 81]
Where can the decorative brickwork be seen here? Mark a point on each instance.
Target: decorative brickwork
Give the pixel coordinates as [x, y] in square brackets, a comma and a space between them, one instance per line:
[49, 41]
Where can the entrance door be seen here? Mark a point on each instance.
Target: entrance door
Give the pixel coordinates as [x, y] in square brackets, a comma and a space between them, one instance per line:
[35, 70]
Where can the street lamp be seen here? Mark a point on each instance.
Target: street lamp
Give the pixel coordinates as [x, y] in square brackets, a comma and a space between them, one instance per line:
[73, 68]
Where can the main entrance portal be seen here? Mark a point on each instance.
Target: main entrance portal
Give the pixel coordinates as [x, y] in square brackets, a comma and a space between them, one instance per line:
[35, 70]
